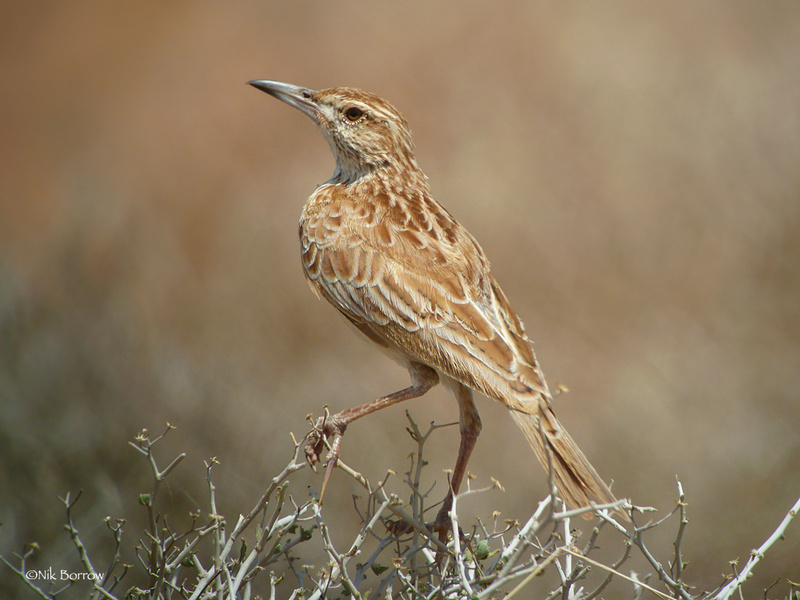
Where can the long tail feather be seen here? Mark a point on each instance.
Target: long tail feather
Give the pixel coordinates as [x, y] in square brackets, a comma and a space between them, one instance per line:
[577, 481]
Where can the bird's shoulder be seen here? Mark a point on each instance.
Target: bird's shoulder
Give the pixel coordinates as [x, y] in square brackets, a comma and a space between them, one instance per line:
[403, 227]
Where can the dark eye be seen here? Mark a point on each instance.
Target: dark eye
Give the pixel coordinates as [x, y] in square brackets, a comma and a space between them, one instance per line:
[353, 113]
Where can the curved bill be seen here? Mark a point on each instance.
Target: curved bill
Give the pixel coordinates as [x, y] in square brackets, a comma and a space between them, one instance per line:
[294, 95]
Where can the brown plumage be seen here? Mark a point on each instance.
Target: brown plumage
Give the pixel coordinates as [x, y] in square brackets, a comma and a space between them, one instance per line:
[405, 273]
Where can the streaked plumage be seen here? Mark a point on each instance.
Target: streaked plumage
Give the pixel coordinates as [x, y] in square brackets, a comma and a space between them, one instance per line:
[404, 272]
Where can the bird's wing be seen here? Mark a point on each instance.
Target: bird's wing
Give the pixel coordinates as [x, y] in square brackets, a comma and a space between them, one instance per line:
[424, 286]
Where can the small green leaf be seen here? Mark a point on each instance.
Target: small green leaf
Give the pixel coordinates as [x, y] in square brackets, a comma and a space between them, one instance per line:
[378, 569]
[482, 550]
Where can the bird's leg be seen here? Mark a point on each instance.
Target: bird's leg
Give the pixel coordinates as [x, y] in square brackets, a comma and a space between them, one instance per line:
[470, 427]
[330, 428]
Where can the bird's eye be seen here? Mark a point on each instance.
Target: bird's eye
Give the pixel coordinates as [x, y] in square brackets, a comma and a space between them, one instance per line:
[353, 113]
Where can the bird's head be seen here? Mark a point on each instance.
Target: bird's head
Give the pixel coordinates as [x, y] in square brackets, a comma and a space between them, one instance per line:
[364, 131]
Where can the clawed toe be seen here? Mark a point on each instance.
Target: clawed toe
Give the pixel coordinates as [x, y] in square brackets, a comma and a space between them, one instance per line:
[443, 525]
[327, 433]
[315, 445]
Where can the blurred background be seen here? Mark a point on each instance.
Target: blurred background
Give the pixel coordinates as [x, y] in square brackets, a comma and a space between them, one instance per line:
[632, 170]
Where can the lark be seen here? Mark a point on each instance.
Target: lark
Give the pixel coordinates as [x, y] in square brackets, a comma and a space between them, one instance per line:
[378, 247]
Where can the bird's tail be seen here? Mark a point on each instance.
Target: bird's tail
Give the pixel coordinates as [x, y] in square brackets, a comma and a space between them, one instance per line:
[575, 478]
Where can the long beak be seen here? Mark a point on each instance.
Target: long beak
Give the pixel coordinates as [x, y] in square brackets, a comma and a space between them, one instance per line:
[299, 97]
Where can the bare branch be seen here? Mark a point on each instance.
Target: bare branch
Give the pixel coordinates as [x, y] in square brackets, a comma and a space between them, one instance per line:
[406, 560]
[757, 555]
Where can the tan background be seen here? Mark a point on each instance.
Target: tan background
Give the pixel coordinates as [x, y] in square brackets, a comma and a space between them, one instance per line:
[632, 171]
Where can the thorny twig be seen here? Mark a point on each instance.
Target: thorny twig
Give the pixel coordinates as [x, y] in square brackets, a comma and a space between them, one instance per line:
[406, 561]
[756, 555]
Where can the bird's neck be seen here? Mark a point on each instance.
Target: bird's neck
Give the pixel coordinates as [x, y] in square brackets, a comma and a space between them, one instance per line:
[391, 176]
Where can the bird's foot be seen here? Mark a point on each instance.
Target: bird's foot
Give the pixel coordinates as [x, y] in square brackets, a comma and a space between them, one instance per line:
[326, 433]
[443, 525]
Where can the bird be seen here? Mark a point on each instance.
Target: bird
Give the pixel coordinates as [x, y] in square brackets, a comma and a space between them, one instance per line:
[406, 274]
